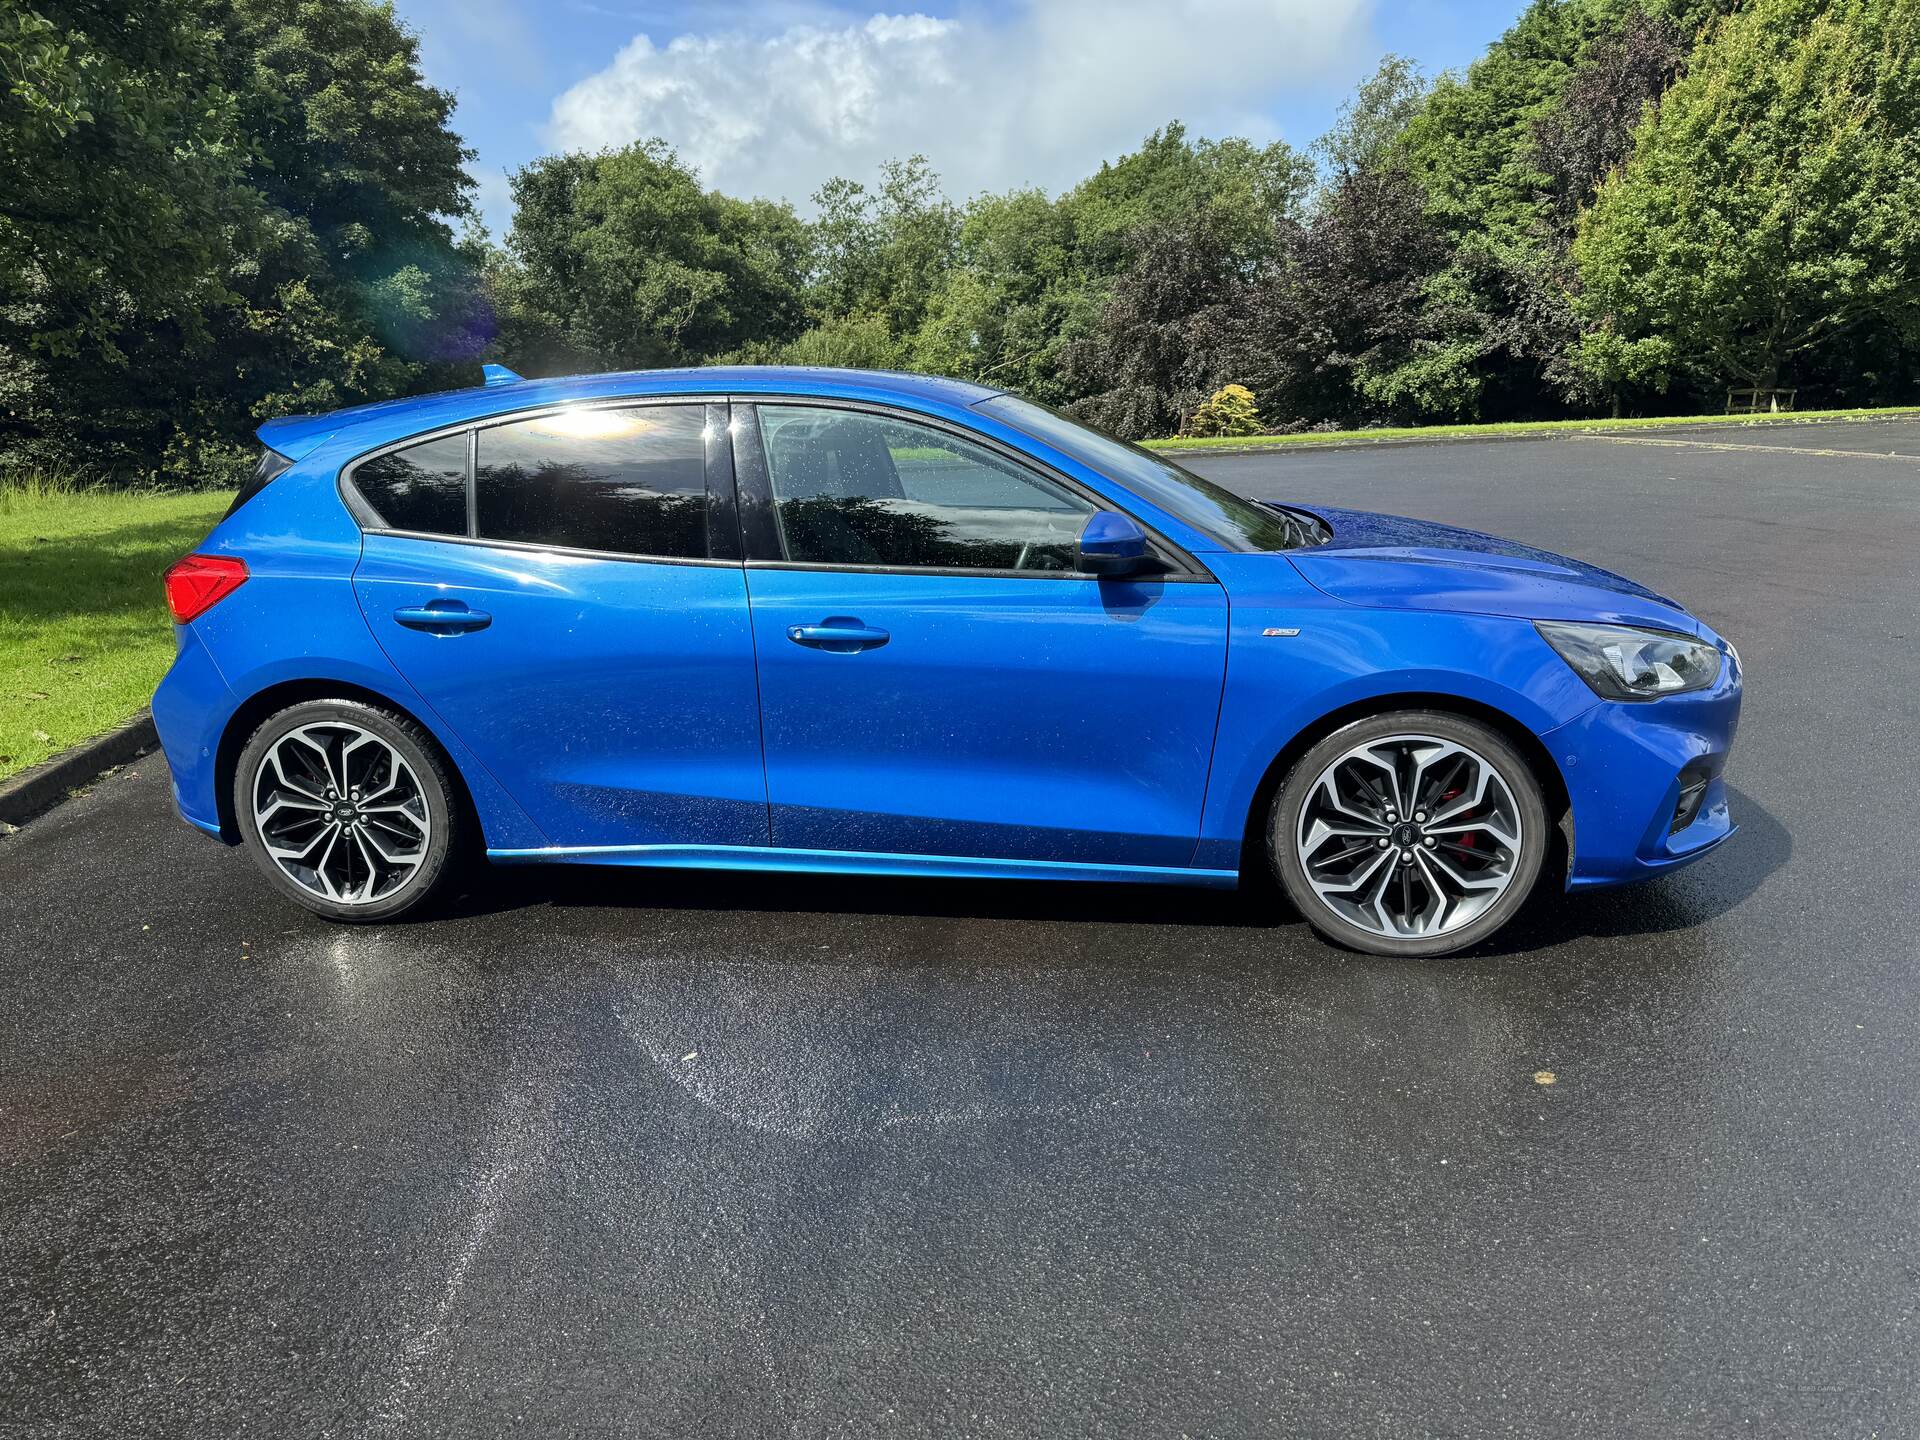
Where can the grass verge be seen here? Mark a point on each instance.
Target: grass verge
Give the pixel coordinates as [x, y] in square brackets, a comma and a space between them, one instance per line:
[1517, 427]
[84, 631]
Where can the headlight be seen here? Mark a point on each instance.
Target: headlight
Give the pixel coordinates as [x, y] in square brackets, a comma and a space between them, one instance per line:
[1622, 663]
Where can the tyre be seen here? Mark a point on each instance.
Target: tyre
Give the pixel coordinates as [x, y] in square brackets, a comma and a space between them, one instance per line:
[1413, 833]
[349, 810]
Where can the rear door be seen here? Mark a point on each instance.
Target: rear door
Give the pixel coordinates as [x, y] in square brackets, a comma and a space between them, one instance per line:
[565, 589]
[936, 679]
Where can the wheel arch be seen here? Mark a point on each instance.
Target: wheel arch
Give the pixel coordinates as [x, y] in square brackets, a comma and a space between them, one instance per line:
[1532, 749]
[262, 704]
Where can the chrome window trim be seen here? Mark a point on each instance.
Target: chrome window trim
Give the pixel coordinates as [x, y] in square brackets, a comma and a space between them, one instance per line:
[1169, 577]
[535, 547]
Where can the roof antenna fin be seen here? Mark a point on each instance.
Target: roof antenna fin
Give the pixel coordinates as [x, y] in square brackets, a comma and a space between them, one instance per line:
[498, 375]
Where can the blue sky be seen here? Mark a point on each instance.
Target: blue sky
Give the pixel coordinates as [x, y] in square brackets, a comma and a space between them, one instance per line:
[773, 97]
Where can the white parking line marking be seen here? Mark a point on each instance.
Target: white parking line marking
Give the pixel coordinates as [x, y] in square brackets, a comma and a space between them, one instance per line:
[1731, 445]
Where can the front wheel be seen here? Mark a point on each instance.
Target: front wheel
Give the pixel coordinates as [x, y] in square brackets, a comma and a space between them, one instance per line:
[1414, 833]
[348, 809]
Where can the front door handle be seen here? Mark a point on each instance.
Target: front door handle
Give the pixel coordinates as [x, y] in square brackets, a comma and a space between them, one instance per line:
[841, 634]
[443, 617]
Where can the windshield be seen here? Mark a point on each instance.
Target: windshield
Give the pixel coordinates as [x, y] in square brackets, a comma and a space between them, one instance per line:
[1214, 510]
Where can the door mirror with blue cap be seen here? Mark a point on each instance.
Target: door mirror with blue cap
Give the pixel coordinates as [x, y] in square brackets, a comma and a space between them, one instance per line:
[1113, 546]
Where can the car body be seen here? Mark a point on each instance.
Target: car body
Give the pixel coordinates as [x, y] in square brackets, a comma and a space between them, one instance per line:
[876, 639]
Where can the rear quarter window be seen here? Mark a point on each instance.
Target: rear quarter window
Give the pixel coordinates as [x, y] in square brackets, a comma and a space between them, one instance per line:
[266, 469]
[421, 488]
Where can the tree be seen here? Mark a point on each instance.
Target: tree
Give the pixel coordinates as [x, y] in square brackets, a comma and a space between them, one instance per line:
[1002, 290]
[884, 254]
[1164, 244]
[1016, 296]
[1163, 342]
[1367, 315]
[355, 286]
[620, 260]
[1369, 129]
[1771, 204]
[1511, 151]
[119, 150]
[1171, 177]
[117, 147]
[1472, 146]
[212, 211]
[1587, 135]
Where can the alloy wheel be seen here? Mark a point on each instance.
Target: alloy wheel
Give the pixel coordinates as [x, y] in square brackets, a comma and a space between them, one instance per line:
[1410, 836]
[341, 812]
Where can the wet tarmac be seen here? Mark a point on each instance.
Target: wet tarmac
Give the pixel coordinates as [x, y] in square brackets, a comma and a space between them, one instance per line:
[649, 1154]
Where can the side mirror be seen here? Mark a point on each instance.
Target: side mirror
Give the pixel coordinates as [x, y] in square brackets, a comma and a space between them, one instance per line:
[1111, 546]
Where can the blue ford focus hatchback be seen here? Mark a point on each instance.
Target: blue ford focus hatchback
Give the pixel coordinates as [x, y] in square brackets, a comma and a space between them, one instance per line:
[782, 619]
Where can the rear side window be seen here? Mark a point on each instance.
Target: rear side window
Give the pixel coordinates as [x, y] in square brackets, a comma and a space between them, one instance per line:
[423, 487]
[631, 481]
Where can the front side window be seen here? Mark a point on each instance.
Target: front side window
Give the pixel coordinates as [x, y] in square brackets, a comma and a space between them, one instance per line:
[1213, 510]
[856, 489]
[631, 481]
[423, 487]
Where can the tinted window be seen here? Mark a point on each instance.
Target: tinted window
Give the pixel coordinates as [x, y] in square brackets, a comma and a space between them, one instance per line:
[423, 487]
[871, 490]
[632, 481]
[1211, 509]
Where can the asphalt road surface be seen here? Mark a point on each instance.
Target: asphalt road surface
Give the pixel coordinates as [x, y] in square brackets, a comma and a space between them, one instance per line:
[645, 1154]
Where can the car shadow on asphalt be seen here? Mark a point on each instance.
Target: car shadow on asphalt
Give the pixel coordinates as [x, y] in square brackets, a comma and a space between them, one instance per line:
[515, 887]
[1681, 901]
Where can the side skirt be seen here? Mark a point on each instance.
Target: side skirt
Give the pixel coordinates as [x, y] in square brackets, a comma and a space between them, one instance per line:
[860, 862]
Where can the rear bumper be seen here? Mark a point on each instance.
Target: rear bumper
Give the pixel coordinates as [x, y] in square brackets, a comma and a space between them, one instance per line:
[1625, 766]
[190, 709]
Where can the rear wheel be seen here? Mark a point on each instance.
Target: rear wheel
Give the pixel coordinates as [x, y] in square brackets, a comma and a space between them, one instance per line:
[1412, 833]
[348, 809]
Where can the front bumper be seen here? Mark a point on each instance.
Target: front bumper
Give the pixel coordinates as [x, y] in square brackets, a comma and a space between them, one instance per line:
[1626, 764]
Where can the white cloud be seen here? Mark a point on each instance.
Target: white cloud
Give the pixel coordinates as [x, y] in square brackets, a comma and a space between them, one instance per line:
[1039, 97]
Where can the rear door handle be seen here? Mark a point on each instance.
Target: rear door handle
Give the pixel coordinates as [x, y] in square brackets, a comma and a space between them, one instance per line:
[443, 617]
[840, 634]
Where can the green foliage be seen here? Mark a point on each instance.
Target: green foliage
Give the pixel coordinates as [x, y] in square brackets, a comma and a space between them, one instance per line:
[1371, 126]
[884, 254]
[1230, 410]
[212, 211]
[1770, 205]
[1017, 292]
[119, 145]
[1166, 337]
[620, 261]
[1008, 289]
[853, 342]
[1473, 144]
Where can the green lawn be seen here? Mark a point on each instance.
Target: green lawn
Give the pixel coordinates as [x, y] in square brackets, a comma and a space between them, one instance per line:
[84, 630]
[1522, 427]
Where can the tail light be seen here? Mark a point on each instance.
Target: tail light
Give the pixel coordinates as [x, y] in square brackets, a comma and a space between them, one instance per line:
[196, 583]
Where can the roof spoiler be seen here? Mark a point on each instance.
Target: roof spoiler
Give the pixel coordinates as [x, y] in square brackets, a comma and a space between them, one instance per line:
[498, 375]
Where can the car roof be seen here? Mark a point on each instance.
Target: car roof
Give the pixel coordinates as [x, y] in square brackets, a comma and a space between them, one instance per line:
[365, 426]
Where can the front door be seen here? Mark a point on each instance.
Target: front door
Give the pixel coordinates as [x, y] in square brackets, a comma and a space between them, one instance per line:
[548, 584]
[935, 679]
